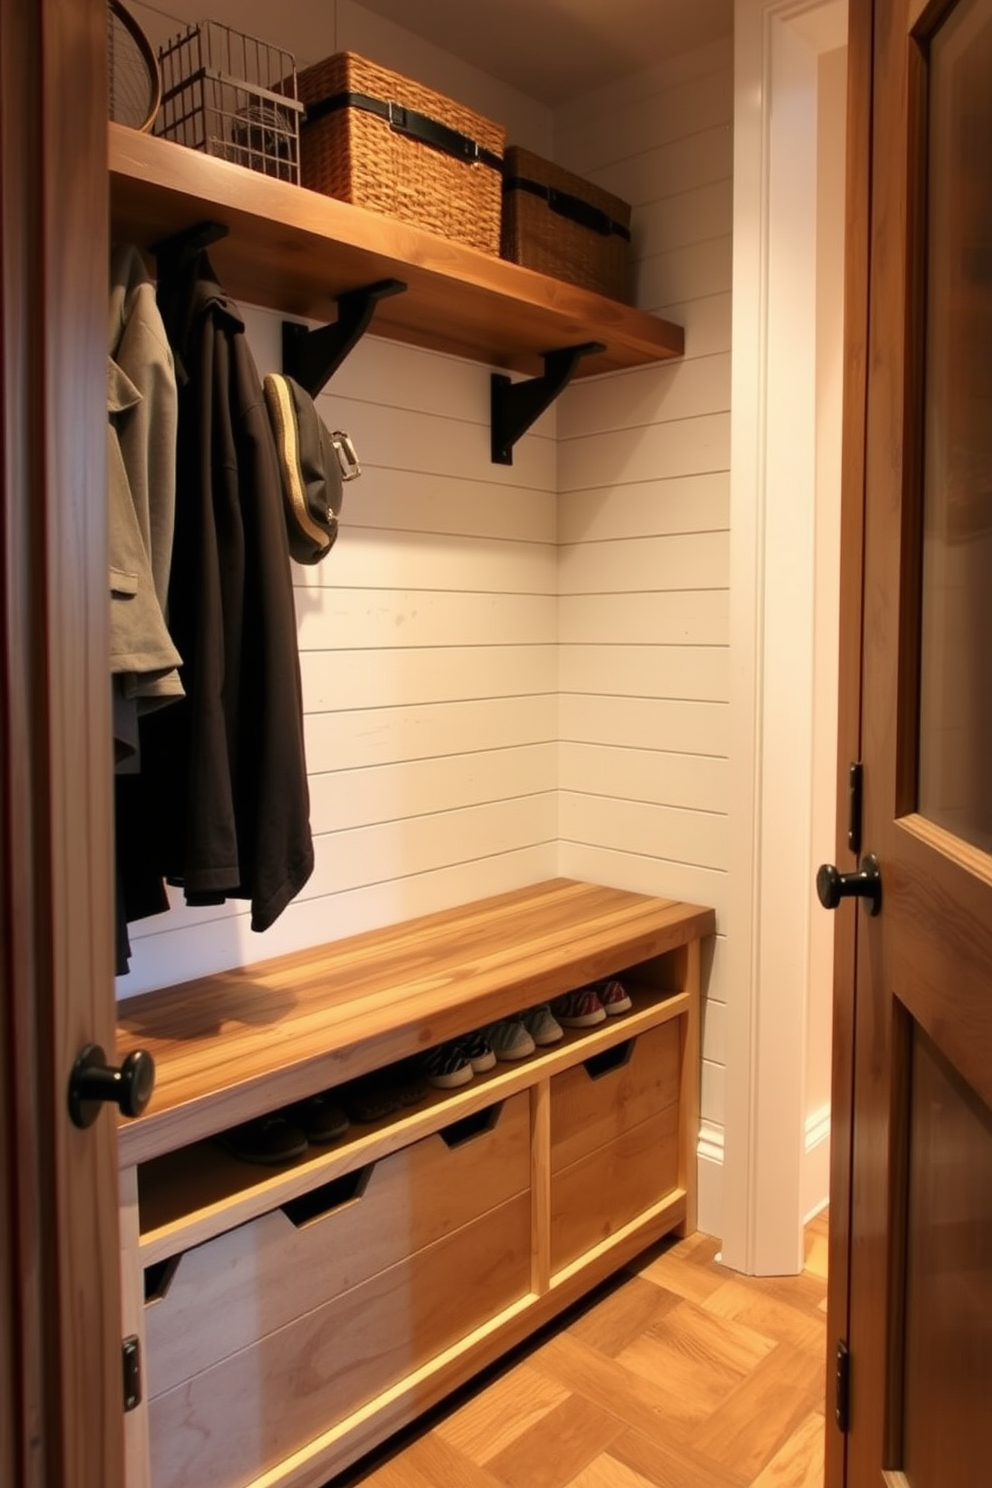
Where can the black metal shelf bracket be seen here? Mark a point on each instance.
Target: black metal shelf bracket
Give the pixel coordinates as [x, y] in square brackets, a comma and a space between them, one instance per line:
[312, 357]
[172, 254]
[516, 405]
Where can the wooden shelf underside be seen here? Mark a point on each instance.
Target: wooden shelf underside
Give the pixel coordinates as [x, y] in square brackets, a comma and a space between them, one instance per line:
[295, 251]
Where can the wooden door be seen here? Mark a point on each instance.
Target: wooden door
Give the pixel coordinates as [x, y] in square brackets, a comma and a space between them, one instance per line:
[919, 1302]
[60, 1386]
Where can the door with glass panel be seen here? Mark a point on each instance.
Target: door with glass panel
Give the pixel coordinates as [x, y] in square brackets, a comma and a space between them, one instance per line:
[920, 1314]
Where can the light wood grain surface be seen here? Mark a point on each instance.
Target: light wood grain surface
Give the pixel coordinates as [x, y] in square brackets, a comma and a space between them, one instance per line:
[230, 1046]
[679, 1375]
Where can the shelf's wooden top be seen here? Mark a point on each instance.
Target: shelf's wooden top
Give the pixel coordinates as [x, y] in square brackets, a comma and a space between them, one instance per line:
[295, 250]
[232, 1045]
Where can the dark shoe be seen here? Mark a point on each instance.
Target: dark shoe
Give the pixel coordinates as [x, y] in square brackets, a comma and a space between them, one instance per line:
[367, 1100]
[321, 1117]
[447, 1067]
[268, 1140]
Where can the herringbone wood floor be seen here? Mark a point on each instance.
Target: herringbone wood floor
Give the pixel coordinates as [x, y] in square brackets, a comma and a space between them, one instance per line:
[680, 1374]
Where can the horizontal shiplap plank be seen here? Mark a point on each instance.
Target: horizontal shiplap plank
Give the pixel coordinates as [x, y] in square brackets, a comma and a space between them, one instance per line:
[379, 617]
[396, 849]
[389, 375]
[716, 970]
[706, 320]
[686, 503]
[415, 501]
[685, 447]
[380, 736]
[712, 1105]
[678, 69]
[644, 723]
[369, 558]
[345, 680]
[435, 443]
[646, 395]
[645, 873]
[687, 781]
[694, 560]
[679, 221]
[683, 165]
[342, 799]
[644, 120]
[715, 1031]
[696, 837]
[681, 618]
[198, 942]
[700, 673]
[687, 273]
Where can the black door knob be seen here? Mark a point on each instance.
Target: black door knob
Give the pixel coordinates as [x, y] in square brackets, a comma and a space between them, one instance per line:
[93, 1081]
[832, 887]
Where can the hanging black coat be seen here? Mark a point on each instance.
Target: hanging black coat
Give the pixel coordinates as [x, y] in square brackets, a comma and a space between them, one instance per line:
[224, 772]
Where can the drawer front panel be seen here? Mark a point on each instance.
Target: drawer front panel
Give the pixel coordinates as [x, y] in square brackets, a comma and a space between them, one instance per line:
[226, 1294]
[603, 1191]
[230, 1423]
[593, 1103]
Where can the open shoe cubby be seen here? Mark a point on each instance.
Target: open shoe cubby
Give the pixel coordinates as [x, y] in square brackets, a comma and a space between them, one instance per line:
[291, 1318]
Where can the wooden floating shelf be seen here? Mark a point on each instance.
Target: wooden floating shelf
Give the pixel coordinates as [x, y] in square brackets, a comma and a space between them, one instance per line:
[296, 251]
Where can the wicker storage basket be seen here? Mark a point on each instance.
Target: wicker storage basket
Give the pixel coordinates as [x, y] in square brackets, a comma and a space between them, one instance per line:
[561, 225]
[379, 140]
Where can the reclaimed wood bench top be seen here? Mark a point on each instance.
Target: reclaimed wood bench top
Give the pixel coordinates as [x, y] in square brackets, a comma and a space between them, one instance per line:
[236, 1043]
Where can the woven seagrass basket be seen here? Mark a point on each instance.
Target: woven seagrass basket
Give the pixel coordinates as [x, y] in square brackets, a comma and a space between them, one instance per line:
[379, 140]
[564, 226]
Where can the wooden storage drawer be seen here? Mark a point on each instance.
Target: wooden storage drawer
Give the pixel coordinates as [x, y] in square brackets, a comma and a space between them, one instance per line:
[594, 1102]
[228, 1293]
[231, 1422]
[593, 1198]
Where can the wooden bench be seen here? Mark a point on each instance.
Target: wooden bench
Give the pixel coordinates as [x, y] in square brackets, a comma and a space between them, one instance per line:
[291, 1318]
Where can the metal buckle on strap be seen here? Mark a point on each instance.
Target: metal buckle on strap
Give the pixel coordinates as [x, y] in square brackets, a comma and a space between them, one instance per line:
[396, 114]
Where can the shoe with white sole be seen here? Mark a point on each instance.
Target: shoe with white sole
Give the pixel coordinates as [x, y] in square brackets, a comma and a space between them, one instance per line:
[477, 1050]
[509, 1039]
[614, 997]
[579, 1009]
[542, 1025]
[446, 1067]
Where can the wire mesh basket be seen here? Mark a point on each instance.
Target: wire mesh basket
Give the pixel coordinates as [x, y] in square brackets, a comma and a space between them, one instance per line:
[232, 96]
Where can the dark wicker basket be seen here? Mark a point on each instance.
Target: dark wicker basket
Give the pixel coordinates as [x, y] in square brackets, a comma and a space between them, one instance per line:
[379, 140]
[563, 226]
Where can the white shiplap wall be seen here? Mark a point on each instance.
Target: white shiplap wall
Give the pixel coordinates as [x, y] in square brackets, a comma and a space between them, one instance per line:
[428, 637]
[643, 516]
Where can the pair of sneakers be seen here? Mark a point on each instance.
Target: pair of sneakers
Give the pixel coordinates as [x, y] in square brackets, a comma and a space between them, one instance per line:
[518, 1037]
[454, 1063]
[587, 1006]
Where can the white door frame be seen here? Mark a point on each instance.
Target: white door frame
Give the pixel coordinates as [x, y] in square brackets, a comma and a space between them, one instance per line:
[772, 588]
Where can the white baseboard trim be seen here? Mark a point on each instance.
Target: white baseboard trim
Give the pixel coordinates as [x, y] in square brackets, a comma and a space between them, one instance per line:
[815, 1179]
